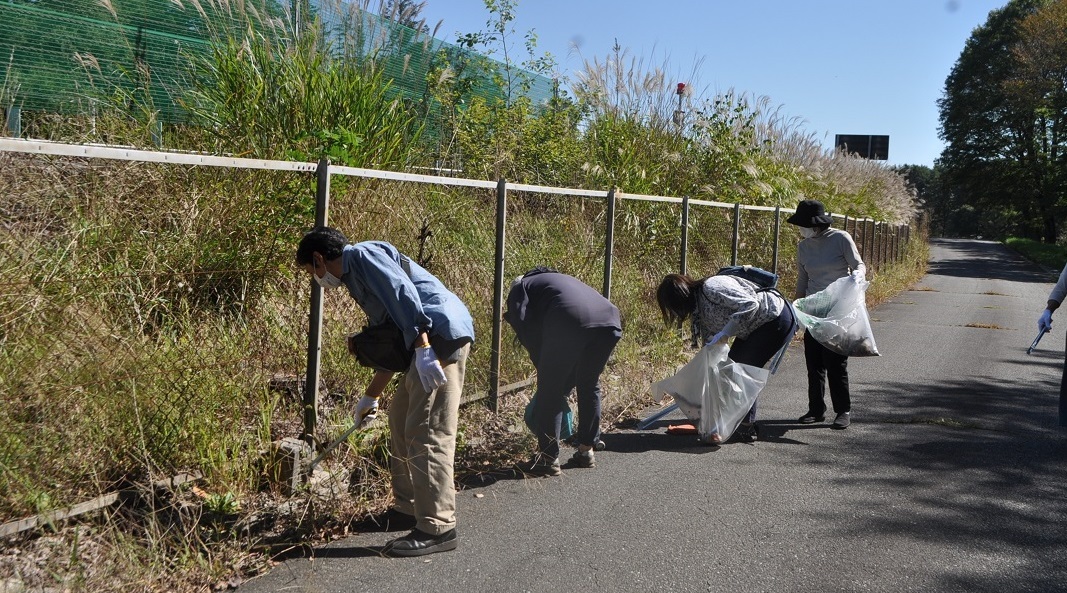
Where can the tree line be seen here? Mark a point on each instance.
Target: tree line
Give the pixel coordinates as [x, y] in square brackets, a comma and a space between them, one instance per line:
[1003, 117]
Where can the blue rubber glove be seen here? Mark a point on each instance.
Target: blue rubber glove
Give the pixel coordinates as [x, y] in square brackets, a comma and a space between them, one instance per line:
[721, 336]
[1044, 323]
[729, 330]
[430, 372]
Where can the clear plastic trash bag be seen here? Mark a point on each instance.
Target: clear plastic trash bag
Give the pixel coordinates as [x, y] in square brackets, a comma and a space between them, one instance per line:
[837, 317]
[713, 391]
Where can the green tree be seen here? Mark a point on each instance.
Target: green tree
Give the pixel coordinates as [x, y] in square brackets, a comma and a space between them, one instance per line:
[1002, 117]
[487, 102]
[933, 201]
[1039, 90]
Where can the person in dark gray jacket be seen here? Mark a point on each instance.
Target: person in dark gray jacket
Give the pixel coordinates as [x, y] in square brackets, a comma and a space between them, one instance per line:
[569, 330]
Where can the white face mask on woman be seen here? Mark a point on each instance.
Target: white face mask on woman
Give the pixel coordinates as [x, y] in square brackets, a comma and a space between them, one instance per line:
[807, 232]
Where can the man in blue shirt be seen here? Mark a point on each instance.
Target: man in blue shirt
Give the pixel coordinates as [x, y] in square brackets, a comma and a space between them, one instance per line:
[424, 411]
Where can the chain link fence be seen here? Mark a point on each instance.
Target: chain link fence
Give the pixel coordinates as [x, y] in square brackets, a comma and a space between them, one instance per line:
[152, 321]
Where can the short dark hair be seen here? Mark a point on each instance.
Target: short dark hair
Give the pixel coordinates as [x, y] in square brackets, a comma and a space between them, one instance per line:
[328, 241]
[677, 298]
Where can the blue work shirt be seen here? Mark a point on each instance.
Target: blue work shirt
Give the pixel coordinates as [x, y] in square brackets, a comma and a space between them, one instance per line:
[375, 277]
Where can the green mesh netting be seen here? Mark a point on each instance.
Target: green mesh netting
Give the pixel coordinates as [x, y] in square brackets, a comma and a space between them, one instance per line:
[64, 55]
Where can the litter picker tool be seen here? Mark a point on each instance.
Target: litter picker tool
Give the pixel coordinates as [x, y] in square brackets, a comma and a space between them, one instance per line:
[1030, 350]
[334, 443]
[654, 417]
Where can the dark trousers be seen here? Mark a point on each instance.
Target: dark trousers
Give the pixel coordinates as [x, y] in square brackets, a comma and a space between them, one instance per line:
[1063, 394]
[572, 359]
[761, 345]
[826, 367]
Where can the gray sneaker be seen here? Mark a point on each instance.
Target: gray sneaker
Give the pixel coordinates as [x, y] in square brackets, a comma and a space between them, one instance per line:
[582, 459]
[538, 466]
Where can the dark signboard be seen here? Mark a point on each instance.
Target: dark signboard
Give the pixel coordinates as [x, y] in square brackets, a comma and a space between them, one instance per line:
[868, 147]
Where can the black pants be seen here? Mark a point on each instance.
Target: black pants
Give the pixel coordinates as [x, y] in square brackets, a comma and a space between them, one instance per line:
[570, 360]
[762, 344]
[1063, 395]
[826, 367]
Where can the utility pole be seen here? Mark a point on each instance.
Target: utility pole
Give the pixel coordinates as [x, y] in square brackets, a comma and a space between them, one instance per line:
[295, 13]
[679, 115]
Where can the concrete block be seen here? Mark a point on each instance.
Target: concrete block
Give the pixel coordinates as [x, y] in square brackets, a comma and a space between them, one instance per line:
[289, 458]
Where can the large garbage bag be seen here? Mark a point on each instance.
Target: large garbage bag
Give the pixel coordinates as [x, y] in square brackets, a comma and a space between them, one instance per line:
[714, 391]
[837, 317]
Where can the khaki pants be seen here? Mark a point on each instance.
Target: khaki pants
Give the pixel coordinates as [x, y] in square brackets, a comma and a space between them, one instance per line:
[423, 430]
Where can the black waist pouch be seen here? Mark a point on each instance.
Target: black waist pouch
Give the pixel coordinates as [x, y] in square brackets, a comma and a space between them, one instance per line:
[381, 347]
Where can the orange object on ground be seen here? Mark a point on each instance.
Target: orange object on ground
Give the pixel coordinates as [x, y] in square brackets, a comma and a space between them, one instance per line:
[681, 429]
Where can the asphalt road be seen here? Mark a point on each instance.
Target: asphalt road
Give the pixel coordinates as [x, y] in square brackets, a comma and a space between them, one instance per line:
[951, 478]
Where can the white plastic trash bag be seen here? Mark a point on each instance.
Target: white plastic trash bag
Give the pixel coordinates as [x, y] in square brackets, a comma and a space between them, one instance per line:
[837, 317]
[713, 391]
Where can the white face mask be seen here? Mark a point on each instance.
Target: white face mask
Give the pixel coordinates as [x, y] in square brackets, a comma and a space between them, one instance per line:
[328, 280]
[807, 232]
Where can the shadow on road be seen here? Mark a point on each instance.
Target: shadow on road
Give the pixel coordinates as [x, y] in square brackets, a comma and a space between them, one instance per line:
[987, 402]
[635, 441]
[984, 259]
[490, 477]
[982, 467]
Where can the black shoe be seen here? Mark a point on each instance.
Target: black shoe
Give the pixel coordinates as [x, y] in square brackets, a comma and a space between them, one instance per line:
[811, 418]
[420, 543]
[391, 520]
[747, 432]
[842, 421]
[540, 466]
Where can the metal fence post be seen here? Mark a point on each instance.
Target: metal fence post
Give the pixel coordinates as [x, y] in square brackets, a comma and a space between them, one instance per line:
[896, 244]
[860, 237]
[498, 293]
[887, 241]
[609, 241]
[314, 352]
[683, 264]
[874, 242]
[295, 14]
[881, 243]
[157, 133]
[870, 250]
[777, 238]
[13, 117]
[737, 233]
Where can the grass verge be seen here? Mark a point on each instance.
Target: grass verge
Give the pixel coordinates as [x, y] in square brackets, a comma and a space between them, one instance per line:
[1050, 256]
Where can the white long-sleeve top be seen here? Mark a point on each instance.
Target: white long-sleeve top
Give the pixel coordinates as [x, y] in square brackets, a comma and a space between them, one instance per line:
[824, 258]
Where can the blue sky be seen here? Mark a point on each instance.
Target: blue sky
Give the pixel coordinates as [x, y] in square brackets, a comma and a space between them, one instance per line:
[837, 66]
